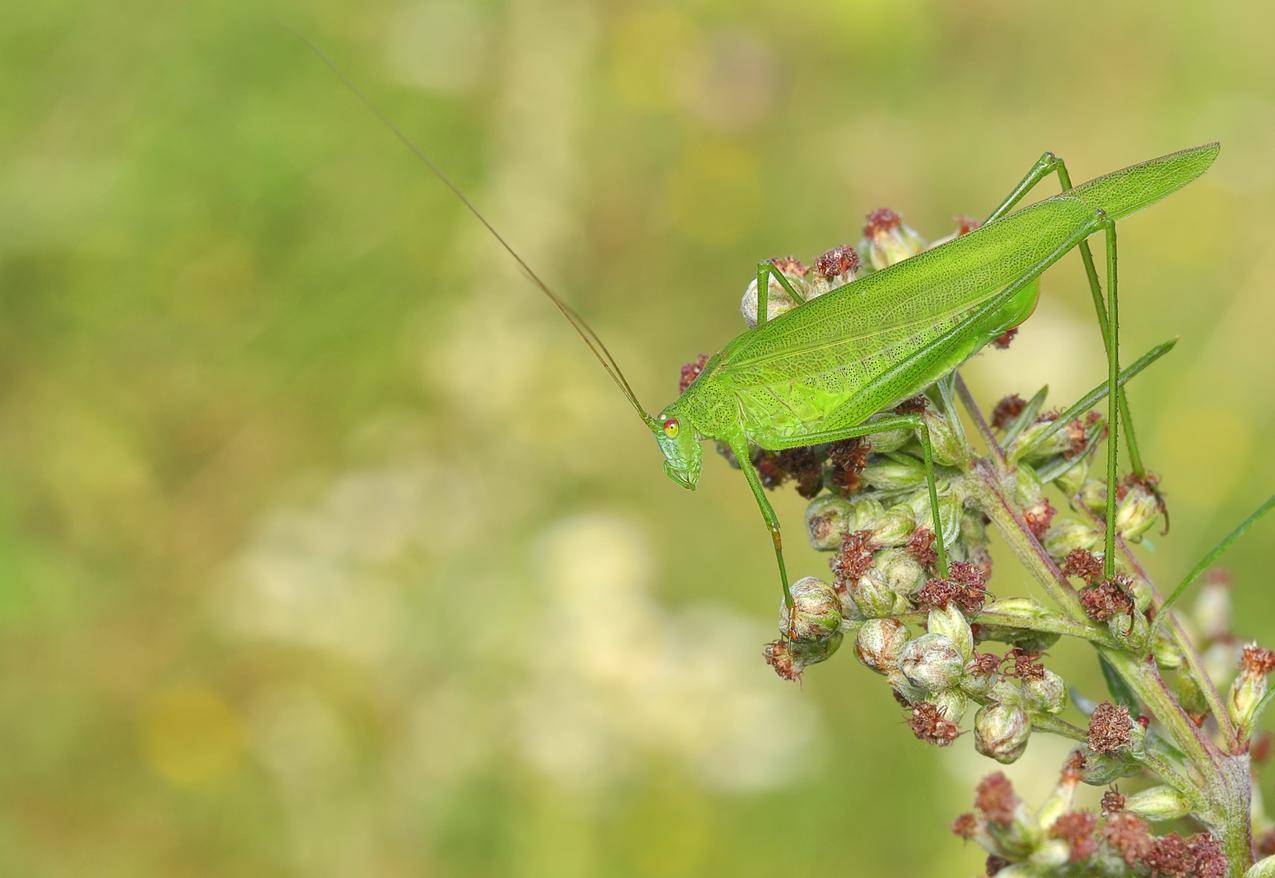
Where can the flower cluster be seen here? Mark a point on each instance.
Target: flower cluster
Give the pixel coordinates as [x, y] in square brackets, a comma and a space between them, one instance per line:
[908, 585]
[1058, 838]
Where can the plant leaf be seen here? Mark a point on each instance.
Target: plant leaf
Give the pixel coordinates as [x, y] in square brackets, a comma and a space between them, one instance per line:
[1211, 557]
[1118, 688]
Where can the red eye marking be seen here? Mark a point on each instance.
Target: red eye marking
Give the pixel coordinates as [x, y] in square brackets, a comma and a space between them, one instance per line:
[670, 427]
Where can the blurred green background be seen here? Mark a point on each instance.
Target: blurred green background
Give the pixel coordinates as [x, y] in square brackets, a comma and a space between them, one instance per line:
[325, 549]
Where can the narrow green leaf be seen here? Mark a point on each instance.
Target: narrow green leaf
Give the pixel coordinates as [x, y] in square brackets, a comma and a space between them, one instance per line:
[1093, 397]
[1216, 552]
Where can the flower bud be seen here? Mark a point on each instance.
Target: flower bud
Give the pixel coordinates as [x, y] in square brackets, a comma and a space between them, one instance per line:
[1131, 629]
[894, 472]
[980, 675]
[777, 299]
[1066, 535]
[1046, 693]
[903, 688]
[1137, 511]
[1101, 769]
[1189, 695]
[1167, 654]
[833, 269]
[886, 240]
[828, 519]
[879, 643]
[893, 527]
[1071, 480]
[889, 440]
[872, 595]
[1001, 732]
[1057, 443]
[945, 441]
[952, 624]
[952, 704]
[950, 513]
[789, 658]
[816, 613]
[1093, 495]
[902, 573]
[931, 662]
[1028, 490]
[1050, 855]
[1012, 610]
[1249, 687]
[1158, 803]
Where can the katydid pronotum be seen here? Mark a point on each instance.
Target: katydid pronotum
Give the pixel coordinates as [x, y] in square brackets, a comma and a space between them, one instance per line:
[821, 372]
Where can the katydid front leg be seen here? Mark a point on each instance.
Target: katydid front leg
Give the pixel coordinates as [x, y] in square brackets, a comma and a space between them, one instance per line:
[740, 448]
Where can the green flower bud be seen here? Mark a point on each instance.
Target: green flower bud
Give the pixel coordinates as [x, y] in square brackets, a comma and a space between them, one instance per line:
[904, 688]
[1189, 694]
[777, 299]
[867, 511]
[952, 624]
[1059, 442]
[790, 657]
[1093, 495]
[828, 519]
[945, 441]
[1166, 652]
[879, 643]
[1050, 854]
[887, 240]
[1158, 803]
[872, 595]
[817, 611]
[1101, 769]
[1025, 610]
[931, 662]
[1067, 534]
[952, 704]
[1028, 490]
[1001, 732]
[1009, 691]
[889, 440]
[893, 527]
[1140, 591]
[1131, 629]
[1137, 512]
[1047, 693]
[1071, 480]
[902, 573]
[979, 677]
[894, 472]
[950, 513]
[1061, 800]
[1249, 687]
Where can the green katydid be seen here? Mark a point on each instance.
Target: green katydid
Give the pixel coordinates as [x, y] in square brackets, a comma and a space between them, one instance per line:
[821, 371]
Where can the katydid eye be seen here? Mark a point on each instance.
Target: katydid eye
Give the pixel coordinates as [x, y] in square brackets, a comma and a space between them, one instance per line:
[671, 428]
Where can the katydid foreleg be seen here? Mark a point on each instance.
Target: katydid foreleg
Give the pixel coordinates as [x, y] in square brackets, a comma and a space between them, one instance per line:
[740, 449]
[1047, 164]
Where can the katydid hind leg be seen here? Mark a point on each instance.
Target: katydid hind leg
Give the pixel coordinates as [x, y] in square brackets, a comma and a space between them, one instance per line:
[907, 422]
[766, 269]
[1047, 164]
[1113, 408]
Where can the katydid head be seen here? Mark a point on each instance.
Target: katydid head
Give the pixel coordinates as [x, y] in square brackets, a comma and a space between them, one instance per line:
[680, 447]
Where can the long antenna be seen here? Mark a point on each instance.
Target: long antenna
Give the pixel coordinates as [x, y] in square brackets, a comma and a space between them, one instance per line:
[586, 333]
